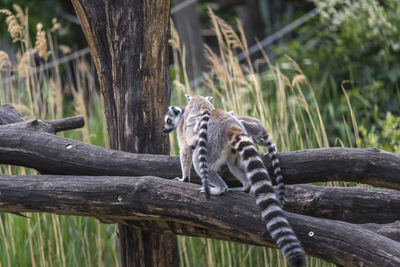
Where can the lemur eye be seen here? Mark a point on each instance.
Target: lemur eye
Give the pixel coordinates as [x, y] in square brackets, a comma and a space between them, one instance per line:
[169, 121]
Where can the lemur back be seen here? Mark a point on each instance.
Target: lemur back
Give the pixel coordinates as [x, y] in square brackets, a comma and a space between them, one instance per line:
[229, 143]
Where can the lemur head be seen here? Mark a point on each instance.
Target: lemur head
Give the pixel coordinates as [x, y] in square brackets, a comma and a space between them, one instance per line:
[172, 118]
[255, 130]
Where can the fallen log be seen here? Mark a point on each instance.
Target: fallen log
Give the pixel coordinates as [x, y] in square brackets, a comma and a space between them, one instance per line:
[57, 155]
[179, 207]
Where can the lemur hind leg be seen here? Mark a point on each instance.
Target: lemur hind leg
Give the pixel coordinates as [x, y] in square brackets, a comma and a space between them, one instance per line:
[239, 173]
[217, 184]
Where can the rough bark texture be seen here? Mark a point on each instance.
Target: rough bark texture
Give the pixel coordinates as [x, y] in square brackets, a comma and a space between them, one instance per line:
[349, 204]
[46, 153]
[8, 114]
[57, 155]
[128, 42]
[156, 203]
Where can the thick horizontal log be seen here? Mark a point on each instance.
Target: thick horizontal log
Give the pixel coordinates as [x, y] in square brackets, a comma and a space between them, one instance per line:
[349, 204]
[179, 207]
[57, 155]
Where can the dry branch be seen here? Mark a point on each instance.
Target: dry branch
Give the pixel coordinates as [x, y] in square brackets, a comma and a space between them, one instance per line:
[178, 207]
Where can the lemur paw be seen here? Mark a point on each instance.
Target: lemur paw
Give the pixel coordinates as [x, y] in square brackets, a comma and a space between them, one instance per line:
[184, 179]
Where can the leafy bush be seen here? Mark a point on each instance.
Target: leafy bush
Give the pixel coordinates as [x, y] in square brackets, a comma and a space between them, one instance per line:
[356, 41]
[387, 139]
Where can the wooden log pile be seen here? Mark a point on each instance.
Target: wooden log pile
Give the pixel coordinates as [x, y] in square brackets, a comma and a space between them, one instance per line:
[347, 226]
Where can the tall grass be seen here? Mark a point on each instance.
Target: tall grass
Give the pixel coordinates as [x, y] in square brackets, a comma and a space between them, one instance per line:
[281, 97]
[48, 239]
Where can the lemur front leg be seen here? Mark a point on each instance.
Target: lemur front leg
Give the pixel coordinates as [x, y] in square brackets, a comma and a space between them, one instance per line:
[185, 156]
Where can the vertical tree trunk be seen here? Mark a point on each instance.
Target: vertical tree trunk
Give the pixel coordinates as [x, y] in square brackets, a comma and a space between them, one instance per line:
[128, 42]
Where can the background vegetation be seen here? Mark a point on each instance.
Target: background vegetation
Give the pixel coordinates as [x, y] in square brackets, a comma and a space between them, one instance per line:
[335, 84]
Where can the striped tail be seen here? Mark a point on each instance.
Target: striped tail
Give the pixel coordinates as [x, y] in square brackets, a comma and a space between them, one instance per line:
[271, 211]
[281, 192]
[202, 146]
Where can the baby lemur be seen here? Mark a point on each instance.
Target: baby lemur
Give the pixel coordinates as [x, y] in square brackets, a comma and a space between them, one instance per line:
[255, 130]
[228, 142]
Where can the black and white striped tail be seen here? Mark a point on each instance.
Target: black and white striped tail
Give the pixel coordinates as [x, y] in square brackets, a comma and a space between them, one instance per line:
[202, 146]
[271, 211]
[281, 192]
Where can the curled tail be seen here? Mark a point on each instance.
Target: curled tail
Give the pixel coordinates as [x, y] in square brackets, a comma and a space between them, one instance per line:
[271, 211]
[202, 147]
[277, 171]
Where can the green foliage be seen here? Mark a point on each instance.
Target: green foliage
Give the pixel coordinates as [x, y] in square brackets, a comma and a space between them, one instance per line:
[356, 41]
[387, 139]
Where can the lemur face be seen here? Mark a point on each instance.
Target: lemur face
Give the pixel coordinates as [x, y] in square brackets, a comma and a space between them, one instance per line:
[260, 140]
[171, 118]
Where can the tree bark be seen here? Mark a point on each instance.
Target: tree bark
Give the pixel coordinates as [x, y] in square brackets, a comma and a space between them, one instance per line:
[43, 153]
[155, 203]
[52, 154]
[349, 204]
[128, 40]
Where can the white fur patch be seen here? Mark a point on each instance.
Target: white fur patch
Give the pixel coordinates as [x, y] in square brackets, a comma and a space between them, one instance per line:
[252, 172]
[281, 230]
[276, 220]
[268, 210]
[265, 196]
[259, 184]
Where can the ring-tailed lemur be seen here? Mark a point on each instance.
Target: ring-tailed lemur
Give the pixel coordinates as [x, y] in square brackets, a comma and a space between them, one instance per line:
[229, 143]
[192, 132]
[255, 130]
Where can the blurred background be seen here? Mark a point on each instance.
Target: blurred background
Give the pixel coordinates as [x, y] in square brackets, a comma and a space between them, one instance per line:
[316, 73]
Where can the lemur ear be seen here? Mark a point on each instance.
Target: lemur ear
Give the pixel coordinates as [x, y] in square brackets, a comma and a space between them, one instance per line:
[231, 112]
[209, 98]
[188, 97]
[175, 110]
